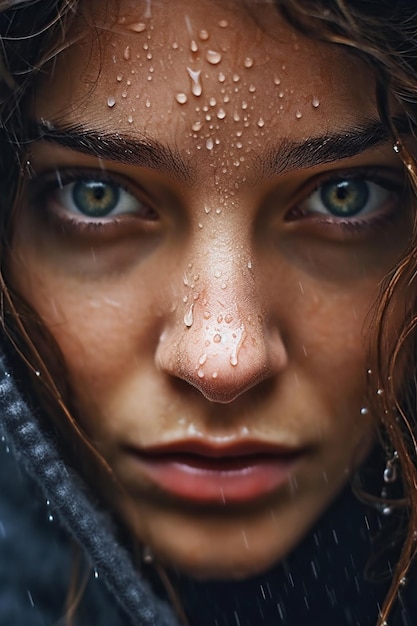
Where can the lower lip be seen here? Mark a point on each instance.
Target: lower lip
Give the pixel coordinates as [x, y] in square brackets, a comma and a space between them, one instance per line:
[212, 481]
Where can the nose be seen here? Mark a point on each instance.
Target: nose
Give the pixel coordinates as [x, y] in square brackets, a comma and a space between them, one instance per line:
[219, 339]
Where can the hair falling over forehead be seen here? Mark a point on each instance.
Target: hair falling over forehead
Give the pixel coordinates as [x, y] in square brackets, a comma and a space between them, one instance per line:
[383, 35]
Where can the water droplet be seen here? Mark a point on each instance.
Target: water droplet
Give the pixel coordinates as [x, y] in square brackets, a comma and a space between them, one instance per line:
[228, 318]
[214, 375]
[244, 105]
[298, 115]
[223, 23]
[240, 336]
[188, 317]
[196, 87]
[213, 57]
[50, 518]
[252, 88]
[37, 373]
[261, 122]
[221, 114]
[207, 209]
[387, 510]
[175, 45]
[364, 410]
[137, 27]
[250, 265]
[277, 80]
[197, 126]
[217, 273]
[193, 46]
[147, 555]
[380, 392]
[209, 144]
[236, 78]
[96, 574]
[202, 359]
[390, 474]
[111, 101]
[396, 147]
[200, 374]
[222, 77]
[127, 53]
[248, 62]
[315, 102]
[281, 94]
[218, 211]
[119, 78]
[181, 98]
[212, 102]
[217, 338]
[403, 581]
[130, 119]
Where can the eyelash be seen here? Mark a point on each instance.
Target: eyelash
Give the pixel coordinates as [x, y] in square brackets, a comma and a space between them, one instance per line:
[53, 183]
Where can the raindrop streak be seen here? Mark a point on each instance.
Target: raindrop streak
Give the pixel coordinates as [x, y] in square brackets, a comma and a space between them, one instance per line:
[111, 101]
[188, 317]
[196, 87]
[30, 598]
[213, 57]
[181, 98]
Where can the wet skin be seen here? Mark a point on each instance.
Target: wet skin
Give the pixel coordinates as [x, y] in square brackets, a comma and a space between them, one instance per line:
[222, 299]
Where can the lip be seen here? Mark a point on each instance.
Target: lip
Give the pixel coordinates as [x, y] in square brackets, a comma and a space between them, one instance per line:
[210, 474]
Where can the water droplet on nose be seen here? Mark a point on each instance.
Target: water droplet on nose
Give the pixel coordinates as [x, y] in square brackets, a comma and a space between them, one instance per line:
[196, 87]
[111, 101]
[209, 144]
[298, 115]
[217, 338]
[127, 53]
[315, 102]
[202, 359]
[221, 114]
[181, 98]
[137, 27]
[248, 62]
[213, 56]
[193, 46]
[188, 317]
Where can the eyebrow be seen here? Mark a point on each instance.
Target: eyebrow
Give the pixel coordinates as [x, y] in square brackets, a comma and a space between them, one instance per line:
[143, 151]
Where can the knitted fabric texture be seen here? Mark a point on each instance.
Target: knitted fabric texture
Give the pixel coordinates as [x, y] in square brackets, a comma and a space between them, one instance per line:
[71, 501]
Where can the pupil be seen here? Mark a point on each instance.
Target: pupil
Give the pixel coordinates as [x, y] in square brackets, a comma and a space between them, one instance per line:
[344, 198]
[95, 198]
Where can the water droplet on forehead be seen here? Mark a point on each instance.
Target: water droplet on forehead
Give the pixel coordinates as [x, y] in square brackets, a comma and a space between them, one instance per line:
[137, 27]
[127, 53]
[196, 87]
[213, 57]
[188, 317]
[181, 98]
[111, 101]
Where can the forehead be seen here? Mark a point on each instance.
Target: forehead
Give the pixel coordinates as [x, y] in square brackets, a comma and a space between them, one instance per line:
[222, 78]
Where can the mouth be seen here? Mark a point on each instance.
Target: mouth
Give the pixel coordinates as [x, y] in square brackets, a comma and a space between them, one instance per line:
[206, 474]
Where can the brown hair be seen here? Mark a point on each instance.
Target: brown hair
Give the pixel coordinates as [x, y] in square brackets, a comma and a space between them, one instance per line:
[383, 34]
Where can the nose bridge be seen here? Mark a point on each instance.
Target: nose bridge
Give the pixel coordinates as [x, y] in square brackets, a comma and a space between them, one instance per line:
[215, 339]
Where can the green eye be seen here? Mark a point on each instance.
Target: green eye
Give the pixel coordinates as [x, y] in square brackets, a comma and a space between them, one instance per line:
[95, 198]
[345, 198]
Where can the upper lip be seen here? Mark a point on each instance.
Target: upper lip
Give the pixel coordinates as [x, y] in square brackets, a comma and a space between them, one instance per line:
[215, 450]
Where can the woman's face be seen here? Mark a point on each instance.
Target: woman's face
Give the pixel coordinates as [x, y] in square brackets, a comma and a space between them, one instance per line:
[212, 209]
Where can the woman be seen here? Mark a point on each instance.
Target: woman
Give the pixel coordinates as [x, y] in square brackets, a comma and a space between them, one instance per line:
[203, 203]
